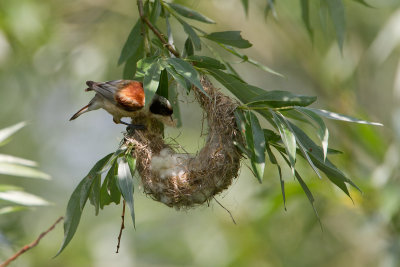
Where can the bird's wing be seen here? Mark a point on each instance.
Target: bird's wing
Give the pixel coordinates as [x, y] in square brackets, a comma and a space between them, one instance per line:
[131, 96]
[127, 94]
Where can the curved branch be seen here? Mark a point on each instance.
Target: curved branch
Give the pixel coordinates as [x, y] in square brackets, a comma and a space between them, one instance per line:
[31, 245]
[154, 30]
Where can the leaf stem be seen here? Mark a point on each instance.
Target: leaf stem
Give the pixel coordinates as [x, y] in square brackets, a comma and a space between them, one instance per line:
[122, 226]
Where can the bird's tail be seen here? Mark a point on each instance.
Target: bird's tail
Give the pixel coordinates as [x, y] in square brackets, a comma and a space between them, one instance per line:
[80, 112]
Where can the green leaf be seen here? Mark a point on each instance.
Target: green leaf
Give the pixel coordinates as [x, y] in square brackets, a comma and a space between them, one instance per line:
[243, 91]
[78, 200]
[273, 160]
[205, 62]
[125, 185]
[288, 138]
[11, 209]
[23, 171]
[245, 58]
[143, 66]
[162, 89]
[245, 4]
[278, 99]
[15, 160]
[191, 33]
[232, 38]
[317, 156]
[305, 188]
[74, 210]
[22, 198]
[132, 44]
[187, 71]
[109, 191]
[151, 81]
[258, 159]
[271, 136]
[190, 13]
[341, 117]
[155, 12]
[130, 65]
[173, 99]
[132, 164]
[322, 132]
[94, 194]
[336, 10]
[5, 133]
[189, 50]
[305, 16]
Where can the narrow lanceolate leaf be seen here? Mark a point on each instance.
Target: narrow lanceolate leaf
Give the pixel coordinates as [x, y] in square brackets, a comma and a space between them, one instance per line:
[317, 156]
[173, 99]
[278, 99]
[20, 170]
[273, 160]
[155, 12]
[323, 132]
[109, 191]
[22, 198]
[189, 50]
[243, 91]
[163, 86]
[245, 4]
[258, 159]
[305, 16]
[178, 78]
[302, 148]
[341, 117]
[125, 184]
[186, 70]
[9, 131]
[94, 194]
[205, 62]
[74, 211]
[130, 65]
[191, 33]
[232, 38]
[78, 201]
[288, 138]
[304, 187]
[132, 44]
[151, 81]
[336, 11]
[16, 160]
[245, 58]
[190, 13]
[132, 164]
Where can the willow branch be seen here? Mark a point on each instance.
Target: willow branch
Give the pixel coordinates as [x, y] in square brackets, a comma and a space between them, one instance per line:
[31, 245]
[154, 30]
[122, 227]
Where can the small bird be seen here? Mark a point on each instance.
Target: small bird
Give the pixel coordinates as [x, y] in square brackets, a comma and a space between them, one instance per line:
[124, 98]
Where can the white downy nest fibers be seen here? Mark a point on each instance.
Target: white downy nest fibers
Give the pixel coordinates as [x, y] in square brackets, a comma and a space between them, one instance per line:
[185, 180]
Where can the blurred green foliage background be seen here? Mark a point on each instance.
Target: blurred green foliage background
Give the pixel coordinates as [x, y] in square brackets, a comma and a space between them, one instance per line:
[48, 49]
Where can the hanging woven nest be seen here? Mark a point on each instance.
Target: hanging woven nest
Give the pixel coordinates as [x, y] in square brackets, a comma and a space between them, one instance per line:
[185, 180]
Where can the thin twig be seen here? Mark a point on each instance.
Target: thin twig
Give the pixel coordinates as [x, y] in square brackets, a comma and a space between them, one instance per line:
[153, 29]
[230, 214]
[31, 245]
[122, 226]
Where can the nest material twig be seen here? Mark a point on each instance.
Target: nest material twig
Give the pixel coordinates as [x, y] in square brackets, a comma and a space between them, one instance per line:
[183, 180]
